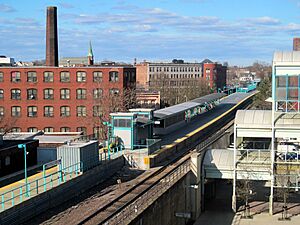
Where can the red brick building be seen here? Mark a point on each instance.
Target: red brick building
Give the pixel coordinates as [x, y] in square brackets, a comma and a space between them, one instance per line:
[214, 73]
[296, 44]
[60, 98]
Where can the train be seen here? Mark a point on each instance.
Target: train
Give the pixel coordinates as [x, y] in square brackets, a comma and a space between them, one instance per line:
[172, 118]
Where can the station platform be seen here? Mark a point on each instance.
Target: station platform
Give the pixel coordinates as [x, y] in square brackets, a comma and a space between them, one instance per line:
[172, 142]
[18, 192]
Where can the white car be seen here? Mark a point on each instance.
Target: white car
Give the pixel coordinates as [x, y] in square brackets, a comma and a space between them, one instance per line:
[287, 147]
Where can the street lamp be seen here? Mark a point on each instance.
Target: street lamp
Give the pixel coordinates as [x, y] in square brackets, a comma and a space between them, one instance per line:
[25, 162]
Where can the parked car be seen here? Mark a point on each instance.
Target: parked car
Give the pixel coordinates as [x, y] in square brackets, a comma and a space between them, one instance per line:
[288, 156]
[287, 147]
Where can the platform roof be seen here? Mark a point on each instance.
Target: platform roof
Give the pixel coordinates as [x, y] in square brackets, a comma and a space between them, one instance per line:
[219, 159]
[263, 119]
[162, 113]
[287, 56]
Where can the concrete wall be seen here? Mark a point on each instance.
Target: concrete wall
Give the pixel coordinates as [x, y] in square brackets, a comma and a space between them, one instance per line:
[224, 141]
[56, 196]
[175, 200]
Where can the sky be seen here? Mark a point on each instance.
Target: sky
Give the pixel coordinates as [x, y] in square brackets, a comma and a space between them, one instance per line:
[239, 32]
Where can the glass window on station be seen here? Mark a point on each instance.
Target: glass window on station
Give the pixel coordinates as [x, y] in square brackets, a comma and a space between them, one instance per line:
[122, 122]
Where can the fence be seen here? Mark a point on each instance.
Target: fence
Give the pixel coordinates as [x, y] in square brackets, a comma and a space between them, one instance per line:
[18, 195]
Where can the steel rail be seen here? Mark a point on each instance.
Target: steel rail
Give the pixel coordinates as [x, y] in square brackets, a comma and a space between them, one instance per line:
[159, 175]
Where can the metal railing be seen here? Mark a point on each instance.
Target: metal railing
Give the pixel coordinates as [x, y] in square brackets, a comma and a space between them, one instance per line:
[260, 156]
[46, 182]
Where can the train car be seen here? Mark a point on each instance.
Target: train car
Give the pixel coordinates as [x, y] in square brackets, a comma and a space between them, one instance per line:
[174, 117]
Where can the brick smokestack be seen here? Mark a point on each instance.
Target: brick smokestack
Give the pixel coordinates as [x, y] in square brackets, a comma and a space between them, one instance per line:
[51, 37]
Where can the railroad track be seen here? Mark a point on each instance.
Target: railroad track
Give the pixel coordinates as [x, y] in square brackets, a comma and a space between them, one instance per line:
[109, 212]
[127, 206]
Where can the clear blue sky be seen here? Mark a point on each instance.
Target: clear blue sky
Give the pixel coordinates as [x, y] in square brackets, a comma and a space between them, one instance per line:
[237, 31]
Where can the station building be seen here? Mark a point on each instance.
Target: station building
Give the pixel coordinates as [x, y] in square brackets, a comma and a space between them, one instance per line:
[267, 142]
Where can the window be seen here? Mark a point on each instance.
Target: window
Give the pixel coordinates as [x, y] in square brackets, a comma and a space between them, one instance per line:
[97, 111]
[16, 129]
[31, 77]
[293, 81]
[97, 93]
[48, 93]
[1, 111]
[7, 160]
[81, 129]
[114, 76]
[1, 77]
[97, 132]
[65, 93]
[81, 76]
[31, 111]
[16, 94]
[48, 111]
[97, 76]
[81, 111]
[1, 93]
[32, 129]
[15, 77]
[64, 76]
[81, 93]
[16, 111]
[64, 111]
[114, 91]
[65, 129]
[122, 122]
[48, 77]
[49, 129]
[31, 94]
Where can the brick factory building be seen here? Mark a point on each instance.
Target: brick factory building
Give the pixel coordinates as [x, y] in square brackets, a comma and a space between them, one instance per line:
[60, 98]
[296, 44]
[179, 72]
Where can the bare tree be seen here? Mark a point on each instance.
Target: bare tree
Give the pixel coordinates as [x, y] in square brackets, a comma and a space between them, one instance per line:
[283, 183]
[105, 103]
[244, 192]
[6, 123]
[175, 91]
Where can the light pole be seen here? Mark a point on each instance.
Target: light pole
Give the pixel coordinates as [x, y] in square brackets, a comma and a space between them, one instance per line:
[108, 135]
[25, 169]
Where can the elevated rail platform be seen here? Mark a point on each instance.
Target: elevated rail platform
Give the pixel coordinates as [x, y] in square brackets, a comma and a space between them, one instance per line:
[190, 135]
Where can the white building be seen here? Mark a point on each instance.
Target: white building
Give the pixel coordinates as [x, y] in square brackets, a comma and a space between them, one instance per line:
[6, 61]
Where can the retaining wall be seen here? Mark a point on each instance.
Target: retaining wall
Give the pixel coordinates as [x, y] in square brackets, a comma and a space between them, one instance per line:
[60, 194]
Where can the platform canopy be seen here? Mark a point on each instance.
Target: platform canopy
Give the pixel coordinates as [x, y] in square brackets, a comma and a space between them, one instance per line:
[258, 123]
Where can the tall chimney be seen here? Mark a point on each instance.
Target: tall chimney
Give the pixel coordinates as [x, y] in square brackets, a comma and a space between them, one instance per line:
[51, 37]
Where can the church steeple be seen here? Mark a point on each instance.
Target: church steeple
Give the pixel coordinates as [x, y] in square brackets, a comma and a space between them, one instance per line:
[90, 55]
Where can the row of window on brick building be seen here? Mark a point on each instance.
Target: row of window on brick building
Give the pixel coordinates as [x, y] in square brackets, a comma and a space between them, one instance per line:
[174, 69]
[65, 93]
[174, 76]
[32, 111]
[64, 76]
[96, 130]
